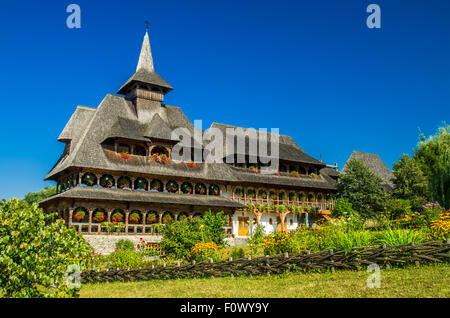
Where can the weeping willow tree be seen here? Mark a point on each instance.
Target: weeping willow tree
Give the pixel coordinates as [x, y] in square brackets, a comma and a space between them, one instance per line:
[433, 156]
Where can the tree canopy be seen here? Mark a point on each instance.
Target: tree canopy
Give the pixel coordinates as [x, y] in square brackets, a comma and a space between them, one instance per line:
[433, 157]
[36, 197]
[361, 187]
[410, 182]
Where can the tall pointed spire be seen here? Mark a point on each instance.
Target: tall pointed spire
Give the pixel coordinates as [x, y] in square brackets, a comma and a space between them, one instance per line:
[146, 59]
[145, 72]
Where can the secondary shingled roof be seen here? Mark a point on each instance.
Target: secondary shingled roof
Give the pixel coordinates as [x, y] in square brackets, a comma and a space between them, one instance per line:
[376, 165]
[146, 197]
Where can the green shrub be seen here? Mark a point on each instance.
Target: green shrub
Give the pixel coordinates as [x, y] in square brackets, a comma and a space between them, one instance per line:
[276, 243]
[345, 240]
[204, 251]
[302, 241]
[213, 225]
[35, 252]
[398, 208]
[392, 237]
[126, 258]
[237, 253]
[432, 211]
[179, 237]
[257, 235]
[125, 245]
[343, 208]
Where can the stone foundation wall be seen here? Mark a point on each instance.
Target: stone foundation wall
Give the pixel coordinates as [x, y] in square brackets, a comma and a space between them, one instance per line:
[106, 244]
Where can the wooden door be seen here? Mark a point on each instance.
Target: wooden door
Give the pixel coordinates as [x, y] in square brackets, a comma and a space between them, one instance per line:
[243, 226]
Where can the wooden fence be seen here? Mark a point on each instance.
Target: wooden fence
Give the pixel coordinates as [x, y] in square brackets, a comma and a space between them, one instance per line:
[354, 259]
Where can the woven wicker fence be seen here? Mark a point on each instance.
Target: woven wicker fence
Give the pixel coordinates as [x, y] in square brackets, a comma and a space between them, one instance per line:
[354, 259]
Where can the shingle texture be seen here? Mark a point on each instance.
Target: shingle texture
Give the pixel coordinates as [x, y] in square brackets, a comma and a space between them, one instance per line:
[376, 165]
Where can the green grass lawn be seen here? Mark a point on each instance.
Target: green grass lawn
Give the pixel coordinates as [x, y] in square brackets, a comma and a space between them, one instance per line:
[427, 281]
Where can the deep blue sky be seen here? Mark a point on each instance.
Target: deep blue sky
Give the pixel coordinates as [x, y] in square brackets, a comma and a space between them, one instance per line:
[311, 68]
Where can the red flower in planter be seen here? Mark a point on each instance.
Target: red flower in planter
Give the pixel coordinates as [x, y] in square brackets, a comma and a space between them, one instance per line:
[125, 155]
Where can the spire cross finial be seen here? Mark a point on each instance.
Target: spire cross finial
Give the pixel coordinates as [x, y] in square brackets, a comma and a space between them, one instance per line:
[146, 25]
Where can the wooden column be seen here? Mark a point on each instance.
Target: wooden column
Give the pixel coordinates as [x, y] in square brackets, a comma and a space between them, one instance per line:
[127, 213]
[90, 221]
[70, 217]
[160, 215]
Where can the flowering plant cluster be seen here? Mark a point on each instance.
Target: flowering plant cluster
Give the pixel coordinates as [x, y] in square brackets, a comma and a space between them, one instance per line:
[134, 217]
[151, 217]
[172, 186]
[262, 194]
[251, 193]
[204, 251]
[89, 179]
[79, 214]
[200, 189]
[112, 227]
[276, 243]
[190, 164]
[187, 188]
[148, 249]
[99, 217]
[107, 181]
[160, 158]
[440, 228]
[117, 217]
[295, 174]
[214, 190]
[141, 184]
[125, 155]
[253, 168]
[167, 218]
[313, 175]
[156, 185]
[123, 182]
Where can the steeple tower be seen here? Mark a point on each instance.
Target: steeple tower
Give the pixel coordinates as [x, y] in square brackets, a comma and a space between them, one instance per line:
[146, 58]
[145, 79]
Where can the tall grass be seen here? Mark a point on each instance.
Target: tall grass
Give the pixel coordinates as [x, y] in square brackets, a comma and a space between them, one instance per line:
[343, 240]
[401, 236]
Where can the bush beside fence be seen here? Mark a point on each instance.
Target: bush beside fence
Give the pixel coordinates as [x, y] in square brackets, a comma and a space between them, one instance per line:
[354, 259]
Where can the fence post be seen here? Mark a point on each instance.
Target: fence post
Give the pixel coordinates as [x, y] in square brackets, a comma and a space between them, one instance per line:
[413, 255]
[286, 255]
[386, 260]
[211, 260]
[178, 263]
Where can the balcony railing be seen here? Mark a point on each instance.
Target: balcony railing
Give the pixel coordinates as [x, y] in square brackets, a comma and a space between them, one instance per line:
[321, 205]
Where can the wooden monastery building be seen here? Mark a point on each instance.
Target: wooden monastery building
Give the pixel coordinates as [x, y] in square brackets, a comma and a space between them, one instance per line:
[117, 167]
